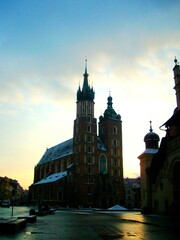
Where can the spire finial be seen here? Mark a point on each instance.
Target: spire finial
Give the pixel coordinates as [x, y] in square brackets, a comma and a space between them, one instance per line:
[85, 64]
[150, 126]
[175, 60]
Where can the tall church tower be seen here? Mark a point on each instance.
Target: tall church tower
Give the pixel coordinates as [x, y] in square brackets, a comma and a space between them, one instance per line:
[85, 142]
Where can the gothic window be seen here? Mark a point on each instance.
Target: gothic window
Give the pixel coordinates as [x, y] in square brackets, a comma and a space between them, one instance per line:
[103, 164]
[115, 130]
[89, 118]
[114, 142]
[89, 160]
[89, 128]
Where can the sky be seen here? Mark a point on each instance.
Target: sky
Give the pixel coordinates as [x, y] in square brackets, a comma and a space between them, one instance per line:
[130, 46]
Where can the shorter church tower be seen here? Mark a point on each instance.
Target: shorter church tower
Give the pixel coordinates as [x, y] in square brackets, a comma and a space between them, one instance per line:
[151, 140]
[110, 133]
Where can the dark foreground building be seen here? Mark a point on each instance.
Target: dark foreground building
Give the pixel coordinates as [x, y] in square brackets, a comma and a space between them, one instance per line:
[86, 170]
[160, 166]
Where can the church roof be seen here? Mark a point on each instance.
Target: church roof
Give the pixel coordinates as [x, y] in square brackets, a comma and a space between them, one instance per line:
[58, 151]
[52, 178]
[174, 120]
[149, 151]
[64, 149]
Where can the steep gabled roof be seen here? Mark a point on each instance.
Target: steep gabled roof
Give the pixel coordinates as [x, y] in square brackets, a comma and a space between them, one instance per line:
[64, 149]
[61, 150]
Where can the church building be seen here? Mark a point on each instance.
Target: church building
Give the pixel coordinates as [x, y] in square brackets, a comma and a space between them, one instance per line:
[160, 165]
[86, 170]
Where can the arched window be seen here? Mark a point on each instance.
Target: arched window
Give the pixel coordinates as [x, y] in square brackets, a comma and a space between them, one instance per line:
[89, 128]
[115, 130]
[89, 118]
[114, 142]
[103, 164]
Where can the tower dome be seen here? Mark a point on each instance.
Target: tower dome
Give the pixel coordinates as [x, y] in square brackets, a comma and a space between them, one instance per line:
[110, 113]
[151, 139]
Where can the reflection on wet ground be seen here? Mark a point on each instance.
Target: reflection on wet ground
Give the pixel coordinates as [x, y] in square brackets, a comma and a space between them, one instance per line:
[89, 224]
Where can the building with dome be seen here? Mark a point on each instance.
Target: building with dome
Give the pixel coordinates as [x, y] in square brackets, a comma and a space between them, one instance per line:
[86, 170]
[160, 165]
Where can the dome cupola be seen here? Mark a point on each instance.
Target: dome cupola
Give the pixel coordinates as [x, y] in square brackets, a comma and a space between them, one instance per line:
[110, 113]
[151, 139]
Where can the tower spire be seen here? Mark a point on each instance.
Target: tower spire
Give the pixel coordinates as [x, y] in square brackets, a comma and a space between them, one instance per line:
[85, 65]
[150, 126]
[87, 92]
[86, 75]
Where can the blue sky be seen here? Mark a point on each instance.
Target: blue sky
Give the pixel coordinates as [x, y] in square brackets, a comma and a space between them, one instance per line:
[130, 47]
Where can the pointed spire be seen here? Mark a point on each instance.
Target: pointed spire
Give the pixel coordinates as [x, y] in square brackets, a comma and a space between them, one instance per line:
[85, 83]
[150, 126]
[85, 72]
[87, 92]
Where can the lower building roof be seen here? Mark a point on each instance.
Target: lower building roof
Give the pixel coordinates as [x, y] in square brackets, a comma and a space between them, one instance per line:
[52, 178]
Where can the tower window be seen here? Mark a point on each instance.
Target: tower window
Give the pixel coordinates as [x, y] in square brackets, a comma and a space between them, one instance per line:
[89, 119]
[89, 160]
[89, 128]
[114, 142]
[115, 130]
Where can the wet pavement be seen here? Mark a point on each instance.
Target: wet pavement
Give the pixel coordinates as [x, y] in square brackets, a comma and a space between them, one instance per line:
[89, 224]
